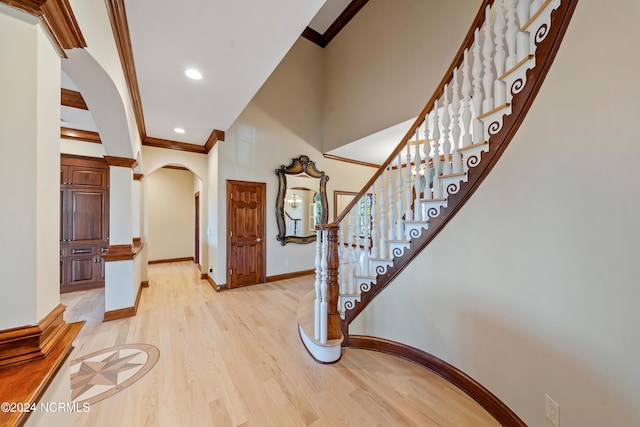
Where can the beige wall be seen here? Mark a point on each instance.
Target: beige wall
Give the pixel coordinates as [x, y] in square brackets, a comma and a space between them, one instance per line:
[383, 67]
[171, 215]
[533, 287]
[281, 122]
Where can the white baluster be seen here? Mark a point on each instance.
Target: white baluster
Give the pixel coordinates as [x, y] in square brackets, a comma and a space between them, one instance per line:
[408, 213]
[446, 121]
[383, 219]
[351, 251]
[323, 288]
[456, 158]
[427, 157]
[466, 100]
[511, 35]
[500, 88]
[343, 260]
[487, 54]
[478, 127]
[399, 228]
[417, 161]
[437, 184]
[535, 6]
[366, 235]
[391, 210]
[374, 223]
[318, 285]
[359, 234]
[522, 45]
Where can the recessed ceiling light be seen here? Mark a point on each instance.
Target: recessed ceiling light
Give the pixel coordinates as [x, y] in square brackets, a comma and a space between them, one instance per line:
[194, 74]
[178, 130]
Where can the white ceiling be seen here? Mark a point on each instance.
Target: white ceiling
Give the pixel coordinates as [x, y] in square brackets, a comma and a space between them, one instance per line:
[235, 44]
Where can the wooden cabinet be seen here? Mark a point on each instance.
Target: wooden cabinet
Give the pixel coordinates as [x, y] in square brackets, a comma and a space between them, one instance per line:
[84, 221]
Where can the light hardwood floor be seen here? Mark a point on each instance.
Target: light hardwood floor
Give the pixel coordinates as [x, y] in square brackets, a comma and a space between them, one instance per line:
[235, 359]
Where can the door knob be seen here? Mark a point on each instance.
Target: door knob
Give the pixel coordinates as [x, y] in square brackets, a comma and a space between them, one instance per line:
[258, 239]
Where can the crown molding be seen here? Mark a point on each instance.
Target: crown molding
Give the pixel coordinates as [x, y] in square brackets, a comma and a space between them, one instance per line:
[80, 135]
[173, 145]
[73, 99]
[121, 162]
[120, 28]
[341, 21]
[216, 135]
[57, 19]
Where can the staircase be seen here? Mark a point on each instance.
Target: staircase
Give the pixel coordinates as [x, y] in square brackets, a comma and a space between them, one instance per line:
[452, 146]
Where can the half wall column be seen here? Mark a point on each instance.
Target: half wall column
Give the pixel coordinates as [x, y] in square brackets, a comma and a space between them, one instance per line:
[122, 263]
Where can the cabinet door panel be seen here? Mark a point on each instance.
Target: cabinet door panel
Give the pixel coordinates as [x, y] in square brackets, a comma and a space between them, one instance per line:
[94, 177]
[87, 210]
[81, 270]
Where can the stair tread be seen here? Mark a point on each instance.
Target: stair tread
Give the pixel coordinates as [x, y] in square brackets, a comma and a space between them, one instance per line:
[365, 277]
[469, 147]
[414, 221]
[433, 200]
[407, 241]
[452, 175]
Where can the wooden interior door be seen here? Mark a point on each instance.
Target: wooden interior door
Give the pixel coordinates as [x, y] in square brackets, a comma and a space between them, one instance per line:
[245, 233]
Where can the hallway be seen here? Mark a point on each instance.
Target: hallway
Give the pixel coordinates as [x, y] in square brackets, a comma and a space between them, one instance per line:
[235, 358]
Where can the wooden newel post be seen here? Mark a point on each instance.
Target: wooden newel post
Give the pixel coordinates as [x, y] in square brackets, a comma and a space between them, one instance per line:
[333, 264]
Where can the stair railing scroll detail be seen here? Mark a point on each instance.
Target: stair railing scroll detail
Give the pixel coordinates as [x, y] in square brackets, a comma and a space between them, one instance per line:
[467, 124]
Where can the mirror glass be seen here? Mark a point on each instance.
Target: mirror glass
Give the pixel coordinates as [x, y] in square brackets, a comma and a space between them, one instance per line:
[302, 201]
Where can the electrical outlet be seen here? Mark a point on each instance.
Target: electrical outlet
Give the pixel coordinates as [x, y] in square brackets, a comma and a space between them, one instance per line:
[552, 410]
[211, 270]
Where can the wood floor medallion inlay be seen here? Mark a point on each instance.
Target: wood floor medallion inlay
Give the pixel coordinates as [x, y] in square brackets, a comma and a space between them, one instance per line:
[101, 374]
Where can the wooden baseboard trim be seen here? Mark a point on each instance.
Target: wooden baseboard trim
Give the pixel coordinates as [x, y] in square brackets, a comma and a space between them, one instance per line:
[163, 261]
[291, 275]
[27, 382]
[144, 284]
[203, 276]
[121, 313]
[31, 342]
[464, 382]
[215, 286]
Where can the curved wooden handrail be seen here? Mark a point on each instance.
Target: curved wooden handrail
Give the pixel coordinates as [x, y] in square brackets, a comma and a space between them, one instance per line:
[457, 60]
[545, 54]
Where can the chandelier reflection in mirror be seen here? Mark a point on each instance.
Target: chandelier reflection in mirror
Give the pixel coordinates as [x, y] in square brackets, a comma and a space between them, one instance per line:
[302, 201]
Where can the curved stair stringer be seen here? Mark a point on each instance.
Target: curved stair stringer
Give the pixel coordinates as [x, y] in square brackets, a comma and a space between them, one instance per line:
[520, 104]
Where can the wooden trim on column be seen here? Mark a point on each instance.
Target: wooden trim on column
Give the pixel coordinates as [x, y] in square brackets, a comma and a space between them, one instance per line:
[31, 342]
[291, 275]
[121, 162]
[80, 135]
[173, 145]
[120, 28]
[28, 382]
[144, 284]
[57, 19]
[216, 135]
[72, 98]
[122, 252]
[341, 21]
[353, 162]
[138, 176]
[121, 313]
[464, 382]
